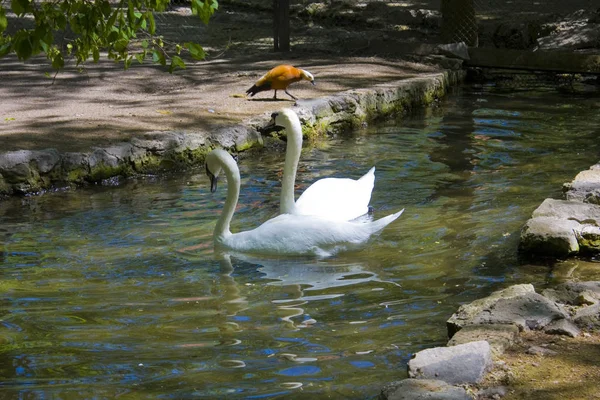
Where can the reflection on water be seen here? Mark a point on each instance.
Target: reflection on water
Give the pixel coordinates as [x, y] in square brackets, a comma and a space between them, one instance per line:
[116, 292]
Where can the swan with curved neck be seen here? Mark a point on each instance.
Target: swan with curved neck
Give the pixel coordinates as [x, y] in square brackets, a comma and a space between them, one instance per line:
[286, 233]
[339, 199]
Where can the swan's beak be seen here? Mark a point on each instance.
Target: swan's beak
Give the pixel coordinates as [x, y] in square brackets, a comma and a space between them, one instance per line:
[213, 180]
[213, 183]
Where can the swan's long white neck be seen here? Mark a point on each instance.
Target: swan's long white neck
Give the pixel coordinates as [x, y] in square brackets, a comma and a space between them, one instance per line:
[292, 157]
[233, 193]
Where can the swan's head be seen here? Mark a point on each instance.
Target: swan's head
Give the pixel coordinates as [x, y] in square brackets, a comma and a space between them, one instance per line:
[284, 118]
[307, 76]
[213, 169]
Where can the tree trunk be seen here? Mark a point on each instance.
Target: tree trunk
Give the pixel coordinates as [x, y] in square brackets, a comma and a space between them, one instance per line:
[459, 23]
[281, 25]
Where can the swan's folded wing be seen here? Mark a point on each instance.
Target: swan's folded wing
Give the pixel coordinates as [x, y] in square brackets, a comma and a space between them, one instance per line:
[339, 199]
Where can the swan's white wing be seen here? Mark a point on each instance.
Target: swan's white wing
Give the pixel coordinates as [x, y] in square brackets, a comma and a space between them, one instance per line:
[338, 199]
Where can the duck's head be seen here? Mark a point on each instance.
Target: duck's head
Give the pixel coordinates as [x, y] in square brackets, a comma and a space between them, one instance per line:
[307, 76]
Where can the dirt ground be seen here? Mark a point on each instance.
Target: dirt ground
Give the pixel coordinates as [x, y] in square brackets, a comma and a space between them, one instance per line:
[570, 369]
[104, 104]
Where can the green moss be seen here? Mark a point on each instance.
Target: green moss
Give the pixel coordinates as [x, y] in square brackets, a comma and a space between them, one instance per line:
[146, 164]
[589, 243]
[77, 175]
[248, 144]
[101, 171]
[313, 132]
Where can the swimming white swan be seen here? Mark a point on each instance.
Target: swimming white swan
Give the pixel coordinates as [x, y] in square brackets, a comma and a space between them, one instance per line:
[339, 199]
[286, 233]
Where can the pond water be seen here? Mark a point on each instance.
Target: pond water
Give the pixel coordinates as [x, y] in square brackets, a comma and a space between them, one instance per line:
[116, 292]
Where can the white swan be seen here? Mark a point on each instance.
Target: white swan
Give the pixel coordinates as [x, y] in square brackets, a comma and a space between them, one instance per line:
[339, 199]
[286, 233]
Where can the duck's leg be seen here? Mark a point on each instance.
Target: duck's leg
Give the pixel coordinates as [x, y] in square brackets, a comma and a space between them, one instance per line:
[289, 94]
[275, 95]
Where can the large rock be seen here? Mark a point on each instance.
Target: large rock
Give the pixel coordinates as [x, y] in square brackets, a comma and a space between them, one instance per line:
[562, 327]
[464, 363]
[588, 318]
[517, 305]
[531, 311]
[575, 293]
[585, 187]
[548, 236]
[500, 336]
[561, 228]
[467, 312]
[422, 389]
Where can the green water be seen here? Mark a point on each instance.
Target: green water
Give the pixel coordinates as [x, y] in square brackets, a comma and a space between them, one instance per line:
[116, 292]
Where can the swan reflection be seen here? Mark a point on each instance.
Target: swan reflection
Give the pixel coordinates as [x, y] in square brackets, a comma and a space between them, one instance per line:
[304, 277]
[309, 274]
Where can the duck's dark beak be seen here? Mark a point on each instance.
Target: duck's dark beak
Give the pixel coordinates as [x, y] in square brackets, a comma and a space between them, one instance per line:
[313, 82]
[213, 180]
[271, 127]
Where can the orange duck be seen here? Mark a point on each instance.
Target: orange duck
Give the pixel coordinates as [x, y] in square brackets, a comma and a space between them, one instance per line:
[279, 78]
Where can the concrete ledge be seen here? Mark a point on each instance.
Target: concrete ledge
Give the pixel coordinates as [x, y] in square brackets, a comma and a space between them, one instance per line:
[29, 172]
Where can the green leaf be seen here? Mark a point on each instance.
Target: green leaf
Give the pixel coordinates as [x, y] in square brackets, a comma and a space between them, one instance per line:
[110, 24]
[3, 20]
[23, 46]
[204, 9]
[130, 13]
[140, 57]
[152, 27]
[61, 21]
[95, 54]
[5, 49]
[58, 61]
[21, 7]
[176, 62]
[159, 57]
[121, 45]
[105, 7]
[196, 51]
[127, 62]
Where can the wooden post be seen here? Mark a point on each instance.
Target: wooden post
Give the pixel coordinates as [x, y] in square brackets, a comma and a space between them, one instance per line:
[281, 25]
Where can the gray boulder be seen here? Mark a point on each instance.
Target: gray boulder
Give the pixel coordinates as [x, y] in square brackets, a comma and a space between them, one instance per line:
[562, 327]
[422, 389]
[464, 363]
[561, 228]
[588, 318]
[585, 187]
[467, 312]
[531, 311]
[500, 336]
[575, 293]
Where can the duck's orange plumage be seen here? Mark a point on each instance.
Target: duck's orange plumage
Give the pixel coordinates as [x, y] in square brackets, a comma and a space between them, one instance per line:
[279, 78]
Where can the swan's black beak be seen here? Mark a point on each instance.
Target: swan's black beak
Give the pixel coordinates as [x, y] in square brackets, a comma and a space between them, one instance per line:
[213, 180]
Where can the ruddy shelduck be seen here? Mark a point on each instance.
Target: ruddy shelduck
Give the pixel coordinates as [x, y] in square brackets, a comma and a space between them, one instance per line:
[279, 78]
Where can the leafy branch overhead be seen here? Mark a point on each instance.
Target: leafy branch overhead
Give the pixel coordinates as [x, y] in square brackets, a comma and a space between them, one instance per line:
[82, 29]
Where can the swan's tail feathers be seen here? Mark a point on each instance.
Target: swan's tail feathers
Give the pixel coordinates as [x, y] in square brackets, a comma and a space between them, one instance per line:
[368, 179]
[385, 221]
[368, 175]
